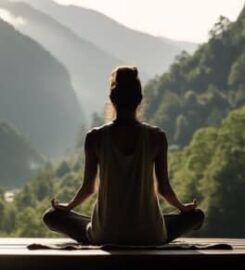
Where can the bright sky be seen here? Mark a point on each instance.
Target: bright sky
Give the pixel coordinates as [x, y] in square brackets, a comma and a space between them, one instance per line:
[188, 20]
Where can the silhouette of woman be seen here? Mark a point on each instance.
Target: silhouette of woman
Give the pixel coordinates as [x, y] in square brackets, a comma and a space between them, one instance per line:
[126, 151]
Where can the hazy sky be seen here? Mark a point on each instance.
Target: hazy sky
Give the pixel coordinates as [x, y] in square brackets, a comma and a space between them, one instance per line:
[178, 19]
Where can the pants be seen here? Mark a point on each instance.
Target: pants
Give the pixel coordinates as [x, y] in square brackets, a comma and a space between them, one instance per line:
[74, 224]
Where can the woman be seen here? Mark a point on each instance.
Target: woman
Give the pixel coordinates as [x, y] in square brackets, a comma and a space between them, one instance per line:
[126, 151]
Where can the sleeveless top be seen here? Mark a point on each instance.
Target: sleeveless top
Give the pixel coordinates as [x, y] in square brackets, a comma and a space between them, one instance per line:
[127, 209]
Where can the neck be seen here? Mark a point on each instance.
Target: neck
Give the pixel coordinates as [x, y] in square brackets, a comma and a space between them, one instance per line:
[126, 117]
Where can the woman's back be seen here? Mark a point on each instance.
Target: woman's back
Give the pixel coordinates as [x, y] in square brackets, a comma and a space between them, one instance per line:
[127, 210]
[125, 136]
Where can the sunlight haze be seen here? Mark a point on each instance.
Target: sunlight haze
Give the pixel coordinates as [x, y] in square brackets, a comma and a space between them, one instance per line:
[188, 20]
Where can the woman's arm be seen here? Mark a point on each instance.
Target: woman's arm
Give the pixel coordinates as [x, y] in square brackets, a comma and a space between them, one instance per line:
[90, 172]
[161, 169]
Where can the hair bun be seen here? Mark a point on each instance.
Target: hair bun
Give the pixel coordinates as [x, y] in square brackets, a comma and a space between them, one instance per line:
[126, 75]
[125, 87]
[135, 72]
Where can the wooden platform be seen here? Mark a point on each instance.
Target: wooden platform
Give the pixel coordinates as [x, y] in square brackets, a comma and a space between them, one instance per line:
[15, 255]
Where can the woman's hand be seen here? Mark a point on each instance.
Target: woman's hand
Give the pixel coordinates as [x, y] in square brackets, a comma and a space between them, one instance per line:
[189, 206]
[60, 206]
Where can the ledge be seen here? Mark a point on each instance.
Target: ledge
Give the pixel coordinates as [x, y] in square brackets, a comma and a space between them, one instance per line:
[15, 255]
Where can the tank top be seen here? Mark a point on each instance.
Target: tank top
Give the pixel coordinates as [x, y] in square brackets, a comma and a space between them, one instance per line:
[127, 209]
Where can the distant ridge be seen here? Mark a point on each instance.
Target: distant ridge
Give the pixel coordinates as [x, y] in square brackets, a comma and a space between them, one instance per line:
[36, 95]
[152, 54]
[89, 66]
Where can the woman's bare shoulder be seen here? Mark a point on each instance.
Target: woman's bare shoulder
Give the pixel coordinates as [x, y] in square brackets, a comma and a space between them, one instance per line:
[154, 130]
[95, 132]
[157, 138]
[93, 138]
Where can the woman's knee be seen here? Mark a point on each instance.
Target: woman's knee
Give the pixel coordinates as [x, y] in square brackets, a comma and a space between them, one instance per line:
[49, 217]
[199, 217]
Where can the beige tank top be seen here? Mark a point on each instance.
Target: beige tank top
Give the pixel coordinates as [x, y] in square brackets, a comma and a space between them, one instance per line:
[127, 209]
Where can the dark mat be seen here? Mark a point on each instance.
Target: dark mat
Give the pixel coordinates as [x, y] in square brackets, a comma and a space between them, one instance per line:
[171, 246]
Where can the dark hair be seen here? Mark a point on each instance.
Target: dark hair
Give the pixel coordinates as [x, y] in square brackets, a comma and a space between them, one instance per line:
[125, 87]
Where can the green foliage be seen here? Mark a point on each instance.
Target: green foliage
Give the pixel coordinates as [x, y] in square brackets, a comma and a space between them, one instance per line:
[211, 169]
[224, 181]
[23, 216]
[63, 169]
[199, 90]
[236, 76]
[18, 159]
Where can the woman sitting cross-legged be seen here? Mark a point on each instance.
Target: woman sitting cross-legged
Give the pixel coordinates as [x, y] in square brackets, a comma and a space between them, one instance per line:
[125, 152]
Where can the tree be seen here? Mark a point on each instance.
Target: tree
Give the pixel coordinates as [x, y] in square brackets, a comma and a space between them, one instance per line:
[219, 28]
[181, 130]
[223, 184]
[236, 76]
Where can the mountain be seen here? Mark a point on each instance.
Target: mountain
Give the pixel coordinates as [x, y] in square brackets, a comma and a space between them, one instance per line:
[151, 54]
[18, 159]
[88, 65]
[184, 45]
[36, 95]
[199, 90]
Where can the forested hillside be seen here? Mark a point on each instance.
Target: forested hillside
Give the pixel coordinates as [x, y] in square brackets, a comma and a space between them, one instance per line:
[36, 95]
[210, 169]
[18, 158]
[200, 90]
